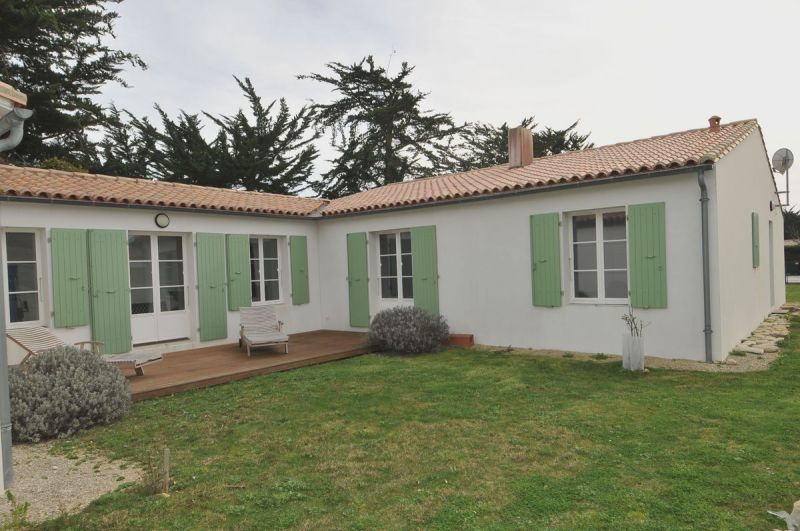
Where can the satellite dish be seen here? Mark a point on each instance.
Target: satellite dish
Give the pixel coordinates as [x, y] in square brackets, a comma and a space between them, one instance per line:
[782, 160]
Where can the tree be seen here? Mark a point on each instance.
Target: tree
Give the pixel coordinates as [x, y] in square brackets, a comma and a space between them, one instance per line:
[378, 128]
[273, 152]
[791, 224]
[56, 52]
[487, 145]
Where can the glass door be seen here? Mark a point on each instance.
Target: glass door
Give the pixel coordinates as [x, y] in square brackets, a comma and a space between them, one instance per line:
[158, 288]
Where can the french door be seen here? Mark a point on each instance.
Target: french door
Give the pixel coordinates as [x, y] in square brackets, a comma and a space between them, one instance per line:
[158, 288]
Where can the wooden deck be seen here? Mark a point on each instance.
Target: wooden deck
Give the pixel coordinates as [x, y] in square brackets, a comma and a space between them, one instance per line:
[203, 367]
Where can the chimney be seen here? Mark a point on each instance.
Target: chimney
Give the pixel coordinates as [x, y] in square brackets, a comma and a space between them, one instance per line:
[520, 147]
[713, 123]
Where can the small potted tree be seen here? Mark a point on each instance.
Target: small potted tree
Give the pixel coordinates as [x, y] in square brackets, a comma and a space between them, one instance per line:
[633, 342]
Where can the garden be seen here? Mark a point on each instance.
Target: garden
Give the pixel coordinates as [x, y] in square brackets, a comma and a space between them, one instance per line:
[461, 438]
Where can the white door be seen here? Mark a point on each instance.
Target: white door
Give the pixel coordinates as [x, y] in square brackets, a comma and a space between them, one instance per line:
[158, 288]
[771, 262]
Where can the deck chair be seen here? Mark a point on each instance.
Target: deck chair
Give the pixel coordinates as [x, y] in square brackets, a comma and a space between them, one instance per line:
[38, 339]
[261, 328]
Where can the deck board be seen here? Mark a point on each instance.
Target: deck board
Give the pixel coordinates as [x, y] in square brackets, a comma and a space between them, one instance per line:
[203, 367]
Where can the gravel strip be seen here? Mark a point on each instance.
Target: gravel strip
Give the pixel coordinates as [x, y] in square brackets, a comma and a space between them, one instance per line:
[754, 353]
[53, 483]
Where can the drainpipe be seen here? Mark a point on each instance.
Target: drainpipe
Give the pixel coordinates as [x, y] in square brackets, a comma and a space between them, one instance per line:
[701, 180]
[11, 123]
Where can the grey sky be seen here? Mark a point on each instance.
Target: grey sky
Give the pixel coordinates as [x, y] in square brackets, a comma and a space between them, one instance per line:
[626, 68]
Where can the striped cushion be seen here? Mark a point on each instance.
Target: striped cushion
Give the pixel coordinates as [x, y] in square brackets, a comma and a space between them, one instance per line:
[34, 339]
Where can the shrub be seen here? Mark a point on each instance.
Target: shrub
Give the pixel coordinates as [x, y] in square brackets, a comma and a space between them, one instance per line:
[62, 391]
[409, 330]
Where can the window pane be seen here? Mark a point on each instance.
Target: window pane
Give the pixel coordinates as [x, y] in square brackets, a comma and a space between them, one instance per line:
[388, 244]
[271, 290]
[614, 226]
[255, 293]
[141, 301]
[253, 247]
[139, 247]
[406, 264]
[23, 307]
[614, 256]
[255, 271]
[405, 242]
[583, 228]
[172, 299]
[616, 284]
[141, 274]
[389, 288]
[170, 273]
[585, 255]
[389, 266]
[170, 248]
[586, 285]
[270, 248]
[20, 247]
[270, 270]
[22, 277]
[408, 288]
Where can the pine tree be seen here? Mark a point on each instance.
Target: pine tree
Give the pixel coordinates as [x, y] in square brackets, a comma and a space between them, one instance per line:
[274, 153]
[378, 128]
[57, 52]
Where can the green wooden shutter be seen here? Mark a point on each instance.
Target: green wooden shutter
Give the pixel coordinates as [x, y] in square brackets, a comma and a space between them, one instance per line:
[756, 244]
[546, 260]
[237, 247]
[357, 278]
[298, 251]
[647, 255]
[69, 254]
[110, 290]
[425, 268]
[211, 286]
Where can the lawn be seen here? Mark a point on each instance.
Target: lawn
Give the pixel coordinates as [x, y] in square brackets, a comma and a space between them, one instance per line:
[465, 439]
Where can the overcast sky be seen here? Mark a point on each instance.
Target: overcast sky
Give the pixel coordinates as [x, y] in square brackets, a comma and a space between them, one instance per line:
[626, 68]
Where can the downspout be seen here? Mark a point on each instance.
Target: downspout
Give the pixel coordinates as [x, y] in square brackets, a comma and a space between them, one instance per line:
[11, 123]
[701, 180]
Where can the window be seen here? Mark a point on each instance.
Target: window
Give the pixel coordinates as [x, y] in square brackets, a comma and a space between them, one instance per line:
[265, 271]
[168, 269]
[599, 256]
[22, 286]
[395, 267]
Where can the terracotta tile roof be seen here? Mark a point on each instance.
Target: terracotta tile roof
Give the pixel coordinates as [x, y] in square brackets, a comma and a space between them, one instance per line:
[675, 150]
[53, 184]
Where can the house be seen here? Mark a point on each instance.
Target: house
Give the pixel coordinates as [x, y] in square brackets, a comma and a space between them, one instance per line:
[541, 252]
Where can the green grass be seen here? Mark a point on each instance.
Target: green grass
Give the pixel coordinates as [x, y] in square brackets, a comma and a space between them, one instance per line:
[465, 439]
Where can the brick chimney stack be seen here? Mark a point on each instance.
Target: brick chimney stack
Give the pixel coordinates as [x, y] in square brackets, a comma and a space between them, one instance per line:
[520, 147]
[713, 123]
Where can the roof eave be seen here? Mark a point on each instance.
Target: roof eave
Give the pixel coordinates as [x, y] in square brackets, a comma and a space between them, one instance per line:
[532, 190]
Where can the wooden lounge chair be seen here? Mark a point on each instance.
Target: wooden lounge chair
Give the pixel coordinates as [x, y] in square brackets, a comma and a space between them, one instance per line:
[261, 328]
[38, 339]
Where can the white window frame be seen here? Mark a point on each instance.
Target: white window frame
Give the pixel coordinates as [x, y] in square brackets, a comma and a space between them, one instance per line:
[399, 264]
[155, 273]
[601, 270]
[37, 245]
[261, 278]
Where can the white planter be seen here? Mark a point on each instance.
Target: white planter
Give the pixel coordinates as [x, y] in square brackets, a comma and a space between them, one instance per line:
[632, 352]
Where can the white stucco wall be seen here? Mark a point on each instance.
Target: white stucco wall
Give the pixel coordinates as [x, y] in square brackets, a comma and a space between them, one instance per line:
[744, 185]
[44, 217]
[485, 279]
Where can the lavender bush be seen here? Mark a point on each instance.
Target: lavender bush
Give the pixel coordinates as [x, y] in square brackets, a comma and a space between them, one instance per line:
[408, 330]
[62, 391]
